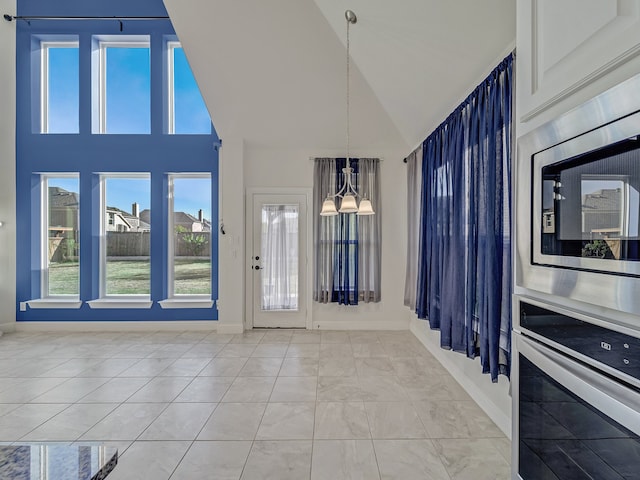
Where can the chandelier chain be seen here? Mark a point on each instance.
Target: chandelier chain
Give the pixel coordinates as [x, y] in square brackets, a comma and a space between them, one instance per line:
[348, 96]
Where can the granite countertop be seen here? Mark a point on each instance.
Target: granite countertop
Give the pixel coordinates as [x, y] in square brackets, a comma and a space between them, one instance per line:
[46, 461]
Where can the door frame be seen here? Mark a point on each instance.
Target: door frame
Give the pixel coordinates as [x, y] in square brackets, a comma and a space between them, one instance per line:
[305, 250]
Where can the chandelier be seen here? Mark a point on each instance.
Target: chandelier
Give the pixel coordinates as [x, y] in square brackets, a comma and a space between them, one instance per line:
[347, 192]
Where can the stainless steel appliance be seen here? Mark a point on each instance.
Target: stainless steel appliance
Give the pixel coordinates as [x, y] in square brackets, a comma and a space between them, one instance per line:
[576, 396]
[578, 205]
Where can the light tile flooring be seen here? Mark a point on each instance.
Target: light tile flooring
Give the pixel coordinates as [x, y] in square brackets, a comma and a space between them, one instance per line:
[278, 404]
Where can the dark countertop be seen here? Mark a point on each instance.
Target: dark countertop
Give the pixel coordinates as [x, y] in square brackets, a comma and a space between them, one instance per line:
[42, 461]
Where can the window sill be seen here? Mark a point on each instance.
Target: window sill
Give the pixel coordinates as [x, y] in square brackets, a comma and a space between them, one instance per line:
[189, 302]
[106, 303]
[72, 303]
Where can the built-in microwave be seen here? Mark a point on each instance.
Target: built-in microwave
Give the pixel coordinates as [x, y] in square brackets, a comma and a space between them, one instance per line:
[577, 215]
[586, 201]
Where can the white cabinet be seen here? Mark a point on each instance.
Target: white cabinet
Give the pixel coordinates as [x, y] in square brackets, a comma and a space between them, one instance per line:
[571, 50]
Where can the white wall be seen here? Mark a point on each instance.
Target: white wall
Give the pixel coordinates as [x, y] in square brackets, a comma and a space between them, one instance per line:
[8, 168]
[275, 167]
[231, 244]
[493, 398]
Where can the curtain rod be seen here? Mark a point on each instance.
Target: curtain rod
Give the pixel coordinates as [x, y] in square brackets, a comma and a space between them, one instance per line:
[351, 157]
[10, 18]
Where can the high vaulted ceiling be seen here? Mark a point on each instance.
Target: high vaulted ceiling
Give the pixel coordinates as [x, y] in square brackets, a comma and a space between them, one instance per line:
[273, 71]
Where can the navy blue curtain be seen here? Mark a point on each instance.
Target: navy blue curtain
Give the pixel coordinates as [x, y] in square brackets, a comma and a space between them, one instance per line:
[464, 278]
[345, 269]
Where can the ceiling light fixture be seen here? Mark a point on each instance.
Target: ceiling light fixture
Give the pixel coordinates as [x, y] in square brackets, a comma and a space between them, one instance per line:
[348, 192]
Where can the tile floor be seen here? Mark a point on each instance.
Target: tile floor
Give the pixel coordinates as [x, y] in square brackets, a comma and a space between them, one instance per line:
[278, 404]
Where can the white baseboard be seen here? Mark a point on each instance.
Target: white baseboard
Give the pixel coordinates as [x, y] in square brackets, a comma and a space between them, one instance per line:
[169, 326]
[229, 329]
[501, 418]
[360, 325]
[7, 327]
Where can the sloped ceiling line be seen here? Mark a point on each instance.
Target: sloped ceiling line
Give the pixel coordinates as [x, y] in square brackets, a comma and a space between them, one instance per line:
[273, 72]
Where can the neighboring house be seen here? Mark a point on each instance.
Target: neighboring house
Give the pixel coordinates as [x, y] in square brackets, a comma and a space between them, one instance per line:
[184, 220]
[63, 216]
[601, 213]
[118, 220]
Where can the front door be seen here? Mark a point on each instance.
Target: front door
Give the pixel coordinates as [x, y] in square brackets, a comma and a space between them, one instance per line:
[278, 261]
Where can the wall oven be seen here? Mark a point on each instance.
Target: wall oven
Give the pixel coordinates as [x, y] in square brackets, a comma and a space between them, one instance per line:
[578, 205]
[576, 396]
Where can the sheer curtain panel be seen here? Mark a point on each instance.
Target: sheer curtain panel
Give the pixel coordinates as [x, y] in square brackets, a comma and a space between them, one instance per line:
[324, 181]
[464, 278]
[414, 187]
[369, 232]
[279, 257]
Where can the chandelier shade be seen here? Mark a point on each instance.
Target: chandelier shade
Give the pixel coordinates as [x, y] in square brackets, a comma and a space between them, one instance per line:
[365, 207]
[328, 208]
[349, 204]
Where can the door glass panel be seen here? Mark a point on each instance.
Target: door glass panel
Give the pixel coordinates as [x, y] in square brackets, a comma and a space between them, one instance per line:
[279, 257]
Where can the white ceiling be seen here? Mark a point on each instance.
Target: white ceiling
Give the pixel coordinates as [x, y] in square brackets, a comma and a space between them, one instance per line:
[273, 72]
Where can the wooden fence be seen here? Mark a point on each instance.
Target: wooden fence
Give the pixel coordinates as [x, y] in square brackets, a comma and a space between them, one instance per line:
[135, 244]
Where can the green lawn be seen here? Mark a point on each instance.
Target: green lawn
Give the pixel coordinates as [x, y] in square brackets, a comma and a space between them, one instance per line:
[126, 277]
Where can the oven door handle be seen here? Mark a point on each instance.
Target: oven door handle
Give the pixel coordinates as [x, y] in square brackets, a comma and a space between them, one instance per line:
[614, 399]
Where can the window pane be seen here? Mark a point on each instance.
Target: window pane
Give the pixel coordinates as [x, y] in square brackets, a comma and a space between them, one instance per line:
[127, 218]
[62, 91]
[128, 90]
[190, 112]
[63, 236]
[279, 257]
[192, 236]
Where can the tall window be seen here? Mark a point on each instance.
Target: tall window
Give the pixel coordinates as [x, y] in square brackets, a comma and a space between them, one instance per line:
[106, 82]
[124, 87]
[126, 234]
[61, 235]
[190, 238]
[59, 109]
[187, 111]
[347, 246]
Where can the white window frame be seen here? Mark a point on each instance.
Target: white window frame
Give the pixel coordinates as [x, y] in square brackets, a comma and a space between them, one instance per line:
[171, 97]
[104, 42]
[44, 236]
[45, 45]
[196, 298]
[142, 297]
[171, 46]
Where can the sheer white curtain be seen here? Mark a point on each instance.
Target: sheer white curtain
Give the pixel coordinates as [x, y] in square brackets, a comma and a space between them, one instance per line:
[324, 228]
[279, 257]
[369, 232]
[414, 190]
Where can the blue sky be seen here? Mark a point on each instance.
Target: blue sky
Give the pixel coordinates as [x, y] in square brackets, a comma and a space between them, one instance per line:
[63, 90]
[128, 111]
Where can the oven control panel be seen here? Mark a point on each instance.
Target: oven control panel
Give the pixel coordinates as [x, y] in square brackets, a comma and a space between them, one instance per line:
[614, 349]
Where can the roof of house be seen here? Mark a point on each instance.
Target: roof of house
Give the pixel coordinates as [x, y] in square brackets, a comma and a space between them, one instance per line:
[179, 218]
[59, 198]
[602, 200]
